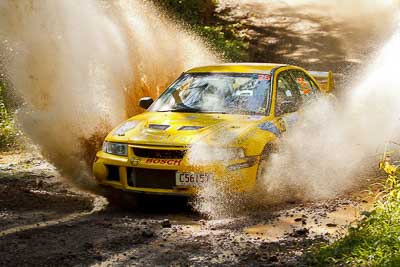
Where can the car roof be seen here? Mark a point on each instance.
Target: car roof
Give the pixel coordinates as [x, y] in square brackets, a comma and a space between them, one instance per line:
[238, 67]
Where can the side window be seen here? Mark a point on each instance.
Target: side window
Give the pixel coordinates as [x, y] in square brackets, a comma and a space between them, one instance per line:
[288, 98]
[307, 88]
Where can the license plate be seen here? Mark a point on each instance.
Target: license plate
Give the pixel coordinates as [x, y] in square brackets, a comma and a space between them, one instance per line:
[192, 179]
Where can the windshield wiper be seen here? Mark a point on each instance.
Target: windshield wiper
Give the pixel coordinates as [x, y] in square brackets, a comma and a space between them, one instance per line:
[191, 110]
[218, 112]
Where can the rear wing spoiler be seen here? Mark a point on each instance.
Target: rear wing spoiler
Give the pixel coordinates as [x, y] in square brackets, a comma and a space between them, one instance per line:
[324, 79]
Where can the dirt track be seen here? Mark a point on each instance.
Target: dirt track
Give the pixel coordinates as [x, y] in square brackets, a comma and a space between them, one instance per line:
[43, 222]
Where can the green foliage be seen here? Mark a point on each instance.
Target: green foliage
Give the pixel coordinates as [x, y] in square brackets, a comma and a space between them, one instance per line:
[375, 241]
[8, 131]
[228, 39]
[191, 11]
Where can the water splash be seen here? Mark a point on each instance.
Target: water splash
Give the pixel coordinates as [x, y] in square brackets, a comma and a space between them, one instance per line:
[81, 67]
[332, 146]
[328, 149]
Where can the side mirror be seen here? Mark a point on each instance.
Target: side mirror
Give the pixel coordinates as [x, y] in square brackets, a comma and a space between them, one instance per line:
[287, 107]
[145, 102]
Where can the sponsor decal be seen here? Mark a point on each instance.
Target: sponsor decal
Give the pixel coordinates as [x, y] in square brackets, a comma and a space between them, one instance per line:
[265, 77]
[270, 127]
[304, 86]
[169, 162]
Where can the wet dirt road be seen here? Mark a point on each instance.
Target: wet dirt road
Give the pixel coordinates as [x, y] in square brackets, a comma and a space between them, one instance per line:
[44, 222]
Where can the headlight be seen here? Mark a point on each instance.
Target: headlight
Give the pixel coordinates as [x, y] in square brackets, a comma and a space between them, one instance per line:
[129, 125]
[229, 153]
[201, 153]
[115, 148]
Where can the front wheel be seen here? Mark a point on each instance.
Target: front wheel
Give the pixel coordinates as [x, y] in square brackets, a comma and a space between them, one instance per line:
[262, 169]
[119, 198]
[265, 157]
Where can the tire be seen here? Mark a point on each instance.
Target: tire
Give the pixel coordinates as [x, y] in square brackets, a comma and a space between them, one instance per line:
[265, 156]
[120, 199]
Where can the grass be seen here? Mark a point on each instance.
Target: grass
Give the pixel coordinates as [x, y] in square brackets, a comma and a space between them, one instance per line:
[226, 40]
[8, 131]
[375, 240]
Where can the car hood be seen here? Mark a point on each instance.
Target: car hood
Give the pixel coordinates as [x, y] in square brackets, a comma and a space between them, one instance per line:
[183, 129]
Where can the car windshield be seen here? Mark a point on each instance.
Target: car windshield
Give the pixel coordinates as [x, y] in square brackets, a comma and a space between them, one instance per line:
[217, 93]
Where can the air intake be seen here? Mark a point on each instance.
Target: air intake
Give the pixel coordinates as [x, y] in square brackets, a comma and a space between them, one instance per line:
[190, 128]
[158, 126]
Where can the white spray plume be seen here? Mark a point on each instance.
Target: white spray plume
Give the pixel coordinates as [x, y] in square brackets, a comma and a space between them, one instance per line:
[80, 67]
[327, 150]
[324, 154]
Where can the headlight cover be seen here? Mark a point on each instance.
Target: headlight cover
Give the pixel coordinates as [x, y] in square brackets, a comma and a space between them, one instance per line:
[229, 153]
[115, 148]
[200, 153]
[129, 125]
[238, 166]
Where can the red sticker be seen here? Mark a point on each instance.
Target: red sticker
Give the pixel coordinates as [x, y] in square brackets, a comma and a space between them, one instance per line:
[265, 77]
[170, 162]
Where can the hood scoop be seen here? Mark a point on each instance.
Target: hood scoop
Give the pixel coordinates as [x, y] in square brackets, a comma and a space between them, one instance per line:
[190, 128]
[158, 126]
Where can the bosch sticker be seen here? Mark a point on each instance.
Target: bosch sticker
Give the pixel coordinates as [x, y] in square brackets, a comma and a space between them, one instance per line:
[169, 162]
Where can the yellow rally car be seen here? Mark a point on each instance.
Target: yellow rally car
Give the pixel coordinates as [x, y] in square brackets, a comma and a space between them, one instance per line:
[213, 123]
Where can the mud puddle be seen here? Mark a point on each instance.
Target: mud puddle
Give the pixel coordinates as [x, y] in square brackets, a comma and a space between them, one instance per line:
[312, 221]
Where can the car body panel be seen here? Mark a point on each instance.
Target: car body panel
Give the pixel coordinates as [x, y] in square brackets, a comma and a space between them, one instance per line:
[237, 68]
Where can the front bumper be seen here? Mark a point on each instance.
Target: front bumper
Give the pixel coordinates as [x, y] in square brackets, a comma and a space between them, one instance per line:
[157, 176]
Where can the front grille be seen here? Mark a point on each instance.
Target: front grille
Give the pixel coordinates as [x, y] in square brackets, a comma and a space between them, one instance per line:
[150, 178]
[113, 173]
[159, 153]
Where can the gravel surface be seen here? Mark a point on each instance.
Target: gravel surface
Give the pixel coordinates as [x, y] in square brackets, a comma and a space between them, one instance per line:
[45, 222]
